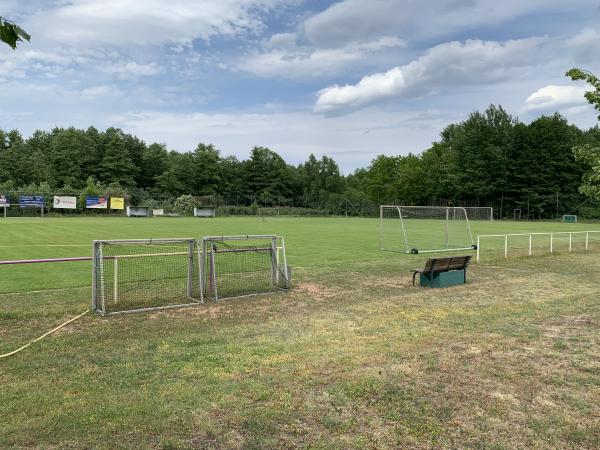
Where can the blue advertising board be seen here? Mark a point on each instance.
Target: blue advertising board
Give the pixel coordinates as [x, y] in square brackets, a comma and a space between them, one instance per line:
[31, 201]
[96, 202]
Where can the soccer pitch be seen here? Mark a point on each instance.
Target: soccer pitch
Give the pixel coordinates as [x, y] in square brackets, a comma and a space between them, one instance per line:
[352, 357]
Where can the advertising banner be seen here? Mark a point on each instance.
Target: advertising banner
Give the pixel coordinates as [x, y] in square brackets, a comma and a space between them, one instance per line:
[117, 203]
[64, 202]
[4, 202]
[158, 212]
[96, 202]
[31, 201]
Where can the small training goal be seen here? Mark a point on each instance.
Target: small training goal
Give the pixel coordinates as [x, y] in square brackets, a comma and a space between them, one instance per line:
[236, 266]
[150, 274]
[144, 274]
[424, 229]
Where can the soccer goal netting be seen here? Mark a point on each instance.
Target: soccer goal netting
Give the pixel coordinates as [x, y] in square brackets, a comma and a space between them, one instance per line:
[422, 229]
[235, 266]
[479, 212]
[133, 275]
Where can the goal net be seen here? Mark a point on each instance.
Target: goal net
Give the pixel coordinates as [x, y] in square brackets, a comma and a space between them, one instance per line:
[235, 266]
[141, 274]
[479, 212]
[422, 229]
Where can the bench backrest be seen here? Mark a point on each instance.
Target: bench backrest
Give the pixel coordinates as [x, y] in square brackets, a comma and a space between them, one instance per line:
[445, 264]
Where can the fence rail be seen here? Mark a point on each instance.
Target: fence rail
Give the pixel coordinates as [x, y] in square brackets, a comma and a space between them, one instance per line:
[550, 246]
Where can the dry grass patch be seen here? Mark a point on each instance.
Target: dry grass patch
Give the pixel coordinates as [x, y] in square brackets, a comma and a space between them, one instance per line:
[349, 359]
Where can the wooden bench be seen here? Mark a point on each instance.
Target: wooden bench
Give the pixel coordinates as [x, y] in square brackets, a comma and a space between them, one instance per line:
[454, 266]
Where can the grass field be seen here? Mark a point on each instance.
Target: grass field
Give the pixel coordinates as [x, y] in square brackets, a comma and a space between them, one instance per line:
[352, 357]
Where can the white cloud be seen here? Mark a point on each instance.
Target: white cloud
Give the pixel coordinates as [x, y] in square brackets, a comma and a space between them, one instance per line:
[448, 64]
[358, 20]
[584, 46]
[353, 140]
[99, 91]
[282, 41]
[288, 60]
[553, 97]
[127, 22]
[131, 69]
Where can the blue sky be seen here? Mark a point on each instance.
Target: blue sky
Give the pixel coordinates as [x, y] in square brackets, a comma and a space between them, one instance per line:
[349, 79]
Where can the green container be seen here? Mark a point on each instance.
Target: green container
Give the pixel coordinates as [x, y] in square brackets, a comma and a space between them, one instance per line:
[443, 279]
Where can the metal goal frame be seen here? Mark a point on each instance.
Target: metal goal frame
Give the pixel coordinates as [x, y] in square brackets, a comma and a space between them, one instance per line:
[448, 213]
[99, 291]
[274, 244]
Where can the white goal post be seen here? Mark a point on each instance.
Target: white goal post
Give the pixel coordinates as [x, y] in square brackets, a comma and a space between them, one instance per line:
[424, 229]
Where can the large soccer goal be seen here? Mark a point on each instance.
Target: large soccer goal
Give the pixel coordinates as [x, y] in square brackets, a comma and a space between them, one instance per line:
[236, 266]
[143, 274]
[423, 229]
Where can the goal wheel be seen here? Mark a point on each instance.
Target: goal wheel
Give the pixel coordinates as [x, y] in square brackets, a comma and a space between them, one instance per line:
[414, 251]
[474, 247]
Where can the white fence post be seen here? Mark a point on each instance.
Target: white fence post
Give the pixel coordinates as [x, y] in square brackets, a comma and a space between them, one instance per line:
[570, 241]
[506, 247]
[587, 240]
[530, 236]
[116, 280]
[551, 242]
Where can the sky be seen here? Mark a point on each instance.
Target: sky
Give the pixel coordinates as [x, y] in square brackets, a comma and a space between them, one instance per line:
[349, 79]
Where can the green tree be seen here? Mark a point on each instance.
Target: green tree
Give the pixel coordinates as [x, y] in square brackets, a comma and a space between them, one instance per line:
[382, 178]
[73, 157]
[592, 96]
[116, 164]
[266, 176]
[153, 164]
[11, 33]
[481, 145]
[232, 185]
[177, 179]
[206, 173]
[589, 153]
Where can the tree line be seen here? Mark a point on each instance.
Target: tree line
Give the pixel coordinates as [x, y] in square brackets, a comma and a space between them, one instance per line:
[490, 159]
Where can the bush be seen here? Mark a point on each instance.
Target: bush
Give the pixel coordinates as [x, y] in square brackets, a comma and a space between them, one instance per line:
[184, 204]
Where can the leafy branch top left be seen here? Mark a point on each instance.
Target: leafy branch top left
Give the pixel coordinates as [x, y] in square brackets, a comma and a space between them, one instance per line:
[11, 33]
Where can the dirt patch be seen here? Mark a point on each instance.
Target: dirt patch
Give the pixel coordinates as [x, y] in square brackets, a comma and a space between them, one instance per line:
[210, 311]
[566, 326]
[395, 282]
[316, 291]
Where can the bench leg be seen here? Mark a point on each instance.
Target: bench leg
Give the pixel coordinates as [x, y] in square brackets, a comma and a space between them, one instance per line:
[414, 276]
